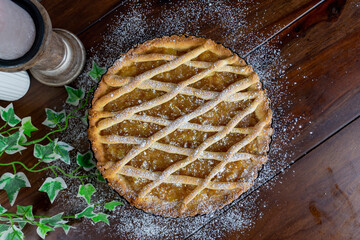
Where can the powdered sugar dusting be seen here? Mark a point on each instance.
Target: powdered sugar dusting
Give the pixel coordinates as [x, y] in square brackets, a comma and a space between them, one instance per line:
[238, 219]
[270, 63]
[137, 25]
[143, 21]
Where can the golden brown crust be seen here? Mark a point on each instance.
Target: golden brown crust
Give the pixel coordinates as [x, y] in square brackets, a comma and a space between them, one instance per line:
[112, 87]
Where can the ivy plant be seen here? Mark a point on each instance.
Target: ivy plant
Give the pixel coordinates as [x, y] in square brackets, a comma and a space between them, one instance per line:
[14, 138]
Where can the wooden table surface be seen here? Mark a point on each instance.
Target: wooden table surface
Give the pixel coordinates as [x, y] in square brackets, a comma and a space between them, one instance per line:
[307, 53]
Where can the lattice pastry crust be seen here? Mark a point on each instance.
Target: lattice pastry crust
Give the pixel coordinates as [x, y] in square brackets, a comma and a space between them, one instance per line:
[180, 126]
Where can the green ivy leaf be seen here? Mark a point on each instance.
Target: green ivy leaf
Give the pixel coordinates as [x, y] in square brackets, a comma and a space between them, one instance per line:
[25, 211]
[84, 119]
[85, 191]
[3, 228]
[12, 184]
[74, 95]
[3, 143]
[27, 126]
[12, 233]
[21, 224]
[96, 72]
[22, 139]
[54, 118]
[86, 161]
[100, 178]
[111, 205]
[52, 187]
[62, 150]
[13, 142]
[88, 212]
[8, 115]
[2, 210]
[66, 228]
[55, 221]
[101, 217]
[43, 229]
[46, 153]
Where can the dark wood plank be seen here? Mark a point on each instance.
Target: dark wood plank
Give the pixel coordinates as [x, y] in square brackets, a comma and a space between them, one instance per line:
[240, 26]
[136, 23]
[77, 15]
[317, 198]
[318, 90]
[314, 82]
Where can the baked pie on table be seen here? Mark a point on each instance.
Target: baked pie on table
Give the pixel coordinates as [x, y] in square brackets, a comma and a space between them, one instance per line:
[180, 126]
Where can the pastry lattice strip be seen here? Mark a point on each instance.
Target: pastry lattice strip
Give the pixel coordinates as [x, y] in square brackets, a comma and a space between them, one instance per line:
[188, 125]
[219, 156]
[125, 114]
[179, 179]
[197, 153]
[174, 90]
[117, 81]
[235, 87]
[230, 153]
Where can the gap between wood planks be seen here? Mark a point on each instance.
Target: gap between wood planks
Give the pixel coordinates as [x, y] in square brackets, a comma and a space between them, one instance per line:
[103, 16]
[280, 172]
[245, 195]
[288, 25]
[246, 55]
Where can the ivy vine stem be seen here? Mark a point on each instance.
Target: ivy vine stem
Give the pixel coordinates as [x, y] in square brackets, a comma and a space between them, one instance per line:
[14, 168]
[13, 222]
[10, 216]
[35, 165]
[9, 130]
[45, 168]
[77, 169]
[65, 217]
[47, 136]
[69, 116]
[3, 126]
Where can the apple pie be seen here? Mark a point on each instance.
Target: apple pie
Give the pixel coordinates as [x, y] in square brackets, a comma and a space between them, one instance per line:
[180, 126]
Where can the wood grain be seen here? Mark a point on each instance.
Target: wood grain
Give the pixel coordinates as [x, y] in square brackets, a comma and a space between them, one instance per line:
[308, 46]
[318, 197]
[319, 91]
[77, 15]
[240, 26]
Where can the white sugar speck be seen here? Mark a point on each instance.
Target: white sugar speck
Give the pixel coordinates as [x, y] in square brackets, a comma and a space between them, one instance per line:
[137, 25]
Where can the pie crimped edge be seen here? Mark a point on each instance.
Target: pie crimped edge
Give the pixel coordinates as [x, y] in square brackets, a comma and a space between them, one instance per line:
[98, 120]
